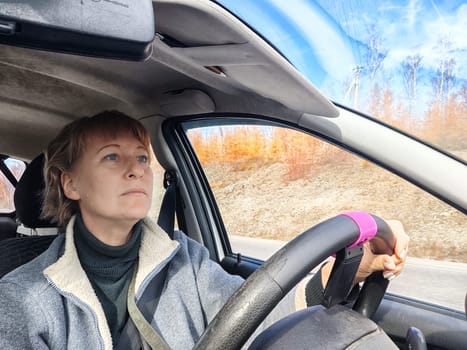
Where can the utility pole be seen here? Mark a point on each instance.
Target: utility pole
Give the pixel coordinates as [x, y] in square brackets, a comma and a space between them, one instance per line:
[354, 86]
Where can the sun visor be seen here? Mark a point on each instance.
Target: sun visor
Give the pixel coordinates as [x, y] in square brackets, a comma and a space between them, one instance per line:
[208, 43]
[122, 29]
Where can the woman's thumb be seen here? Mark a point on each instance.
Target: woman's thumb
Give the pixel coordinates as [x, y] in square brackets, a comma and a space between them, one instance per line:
[383, 262]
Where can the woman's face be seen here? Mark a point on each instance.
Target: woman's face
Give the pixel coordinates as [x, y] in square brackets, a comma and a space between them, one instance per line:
[112, 181]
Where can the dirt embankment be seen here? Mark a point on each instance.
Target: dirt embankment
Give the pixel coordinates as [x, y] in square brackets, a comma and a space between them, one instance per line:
[260, 203]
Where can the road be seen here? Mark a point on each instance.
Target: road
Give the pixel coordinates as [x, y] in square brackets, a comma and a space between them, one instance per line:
[438, 282]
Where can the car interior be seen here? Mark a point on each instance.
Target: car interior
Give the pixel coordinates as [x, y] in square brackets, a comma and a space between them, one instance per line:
[201, 62]
[39, 232]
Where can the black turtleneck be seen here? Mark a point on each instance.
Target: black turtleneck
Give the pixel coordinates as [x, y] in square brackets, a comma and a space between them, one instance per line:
[109, 269]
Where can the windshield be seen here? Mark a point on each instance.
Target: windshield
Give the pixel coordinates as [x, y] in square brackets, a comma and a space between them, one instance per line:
[402, 62]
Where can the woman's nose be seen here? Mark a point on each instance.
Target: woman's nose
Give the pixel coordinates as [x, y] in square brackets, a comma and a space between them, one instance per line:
[135, 169]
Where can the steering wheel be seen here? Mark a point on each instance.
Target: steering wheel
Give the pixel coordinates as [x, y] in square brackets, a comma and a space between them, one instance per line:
[261, 292]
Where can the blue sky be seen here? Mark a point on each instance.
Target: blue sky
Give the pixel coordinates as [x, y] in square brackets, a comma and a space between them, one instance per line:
[326, 39]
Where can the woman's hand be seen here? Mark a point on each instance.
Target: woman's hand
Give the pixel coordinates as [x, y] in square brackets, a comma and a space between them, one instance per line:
[390, 265]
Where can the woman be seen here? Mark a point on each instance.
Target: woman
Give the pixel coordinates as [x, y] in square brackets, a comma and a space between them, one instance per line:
[99, 185]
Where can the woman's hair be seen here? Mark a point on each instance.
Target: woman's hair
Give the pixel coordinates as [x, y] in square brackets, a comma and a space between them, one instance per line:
[69, 145]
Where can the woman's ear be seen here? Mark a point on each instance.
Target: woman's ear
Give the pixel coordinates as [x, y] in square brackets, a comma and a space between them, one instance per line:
[68, 186]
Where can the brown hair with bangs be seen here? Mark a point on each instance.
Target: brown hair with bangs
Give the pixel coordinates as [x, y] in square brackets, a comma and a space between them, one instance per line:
[68, 147]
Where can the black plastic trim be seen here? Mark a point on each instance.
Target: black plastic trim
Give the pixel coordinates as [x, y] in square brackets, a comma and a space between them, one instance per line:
[30, 35]
[443, 329]
[189, 170]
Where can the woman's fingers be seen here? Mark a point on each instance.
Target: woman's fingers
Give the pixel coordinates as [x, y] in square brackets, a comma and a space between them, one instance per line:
[390, 265]
[402, 239]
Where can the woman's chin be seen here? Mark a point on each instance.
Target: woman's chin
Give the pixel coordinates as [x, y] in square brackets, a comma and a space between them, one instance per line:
[135, 215]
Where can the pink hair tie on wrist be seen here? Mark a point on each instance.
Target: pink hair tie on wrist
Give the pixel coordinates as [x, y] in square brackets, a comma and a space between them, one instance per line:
[366, 225]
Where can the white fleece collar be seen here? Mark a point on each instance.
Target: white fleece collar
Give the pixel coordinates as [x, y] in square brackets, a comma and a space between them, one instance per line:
[67, 275]
[156, 247]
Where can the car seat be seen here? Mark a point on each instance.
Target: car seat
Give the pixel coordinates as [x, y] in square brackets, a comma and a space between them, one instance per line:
[7, 227]
[36, 233]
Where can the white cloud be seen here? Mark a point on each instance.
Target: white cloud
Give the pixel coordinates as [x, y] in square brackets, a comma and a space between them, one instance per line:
[424, 38]
[413, 8]
[308, 19]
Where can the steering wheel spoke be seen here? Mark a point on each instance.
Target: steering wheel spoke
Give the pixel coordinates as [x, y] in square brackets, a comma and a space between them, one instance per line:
[342, 276]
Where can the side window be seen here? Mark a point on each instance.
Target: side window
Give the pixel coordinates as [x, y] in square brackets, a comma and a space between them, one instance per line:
[272, 183]
[7, 189]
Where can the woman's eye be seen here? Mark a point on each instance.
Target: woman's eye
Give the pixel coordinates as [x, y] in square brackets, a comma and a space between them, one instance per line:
[143, 159]
[112, 157]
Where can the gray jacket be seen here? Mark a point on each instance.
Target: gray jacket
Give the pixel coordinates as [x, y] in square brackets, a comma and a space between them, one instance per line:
[49, 303]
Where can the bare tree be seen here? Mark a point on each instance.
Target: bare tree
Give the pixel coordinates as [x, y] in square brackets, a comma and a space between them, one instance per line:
[410, 69]
[444, 79]
[376, 54]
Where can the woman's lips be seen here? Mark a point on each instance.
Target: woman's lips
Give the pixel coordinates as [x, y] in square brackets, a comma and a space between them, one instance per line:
[135, 191]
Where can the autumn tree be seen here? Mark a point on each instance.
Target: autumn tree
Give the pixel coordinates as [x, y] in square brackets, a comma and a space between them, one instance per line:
[446, 122]
[445, 119]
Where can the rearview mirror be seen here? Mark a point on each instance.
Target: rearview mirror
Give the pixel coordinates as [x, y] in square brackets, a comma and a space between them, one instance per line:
[122, 29]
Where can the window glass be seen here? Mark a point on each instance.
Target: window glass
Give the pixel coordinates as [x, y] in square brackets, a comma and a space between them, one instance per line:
[7, 189]
[272, 183]
[403, 62]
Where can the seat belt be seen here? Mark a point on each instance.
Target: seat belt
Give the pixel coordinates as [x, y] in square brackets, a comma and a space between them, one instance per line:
[149, 334]
[168, 209]
[130, 337]
[137, 323]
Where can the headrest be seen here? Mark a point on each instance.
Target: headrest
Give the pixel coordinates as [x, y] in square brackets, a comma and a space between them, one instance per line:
[28, 195]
